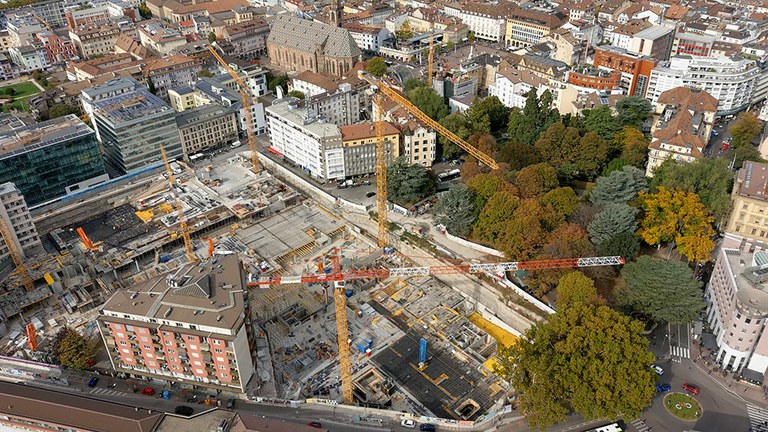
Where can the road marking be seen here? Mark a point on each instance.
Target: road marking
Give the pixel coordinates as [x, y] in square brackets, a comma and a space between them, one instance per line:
[107, 392]
[640, 425]
[758, 417]
[680, 352]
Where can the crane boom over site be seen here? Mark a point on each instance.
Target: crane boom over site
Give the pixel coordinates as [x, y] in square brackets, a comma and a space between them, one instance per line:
[392, 94]
[383, 273]
[183, 226]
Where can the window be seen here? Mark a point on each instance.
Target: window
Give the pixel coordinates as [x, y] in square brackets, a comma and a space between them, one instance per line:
[748, 320]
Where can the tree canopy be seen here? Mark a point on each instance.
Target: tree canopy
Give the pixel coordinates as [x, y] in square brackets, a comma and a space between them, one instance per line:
[525, 125]
[587, 359]
[745, 129]
[455, 210]
[632, 145]
[297, 94]
[615, 218]
[412, 83]
[620, 186]
[576, 289]
[376, 67]
[492, 221]
[429, 102]
[573, 153]
[536, 179]
[490, 108]
[664, 290]
[633, 111]
[460, 125]
[518, 155]
[625, 245]
[73, 350]
[408, 183]
[601, 121]
[404, 32]
[563, 199]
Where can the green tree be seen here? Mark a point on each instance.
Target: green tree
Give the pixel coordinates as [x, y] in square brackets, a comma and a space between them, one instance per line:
[613, 219]
[484, 186]
[601, 121]
[471, 37]
[413, 83]
[710, 179]
[663, 290]
[497, 113]
[429, 102]
[449, 45]
[455, 210]
[620, 186]
[518, 155]
[573, 154]
[586, 359]
[746, 153]
[633, 146]
[204, 73]
[576, 289]
[74, 351]
[211, 37]
[297, 94]
[526, 231]
[151, 85]
[408, 183]
[11, 91]
[273, 82]
[376, 67]
[460, 125]
[536, 180]
[492, 221]
[144, 11]
[404, 32]
[525, 125]
[745, 129]
[625, 245]
[563, 199]
[614, 165]
[634, 111]
[60, 110]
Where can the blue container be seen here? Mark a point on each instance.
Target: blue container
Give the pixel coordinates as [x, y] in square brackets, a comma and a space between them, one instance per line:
[348, 293]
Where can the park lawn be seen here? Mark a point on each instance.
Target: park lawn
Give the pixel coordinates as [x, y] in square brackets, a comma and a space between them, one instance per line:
[22, 89]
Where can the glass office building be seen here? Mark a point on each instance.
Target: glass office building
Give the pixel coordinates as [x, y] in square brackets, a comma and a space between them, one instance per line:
[46, 160]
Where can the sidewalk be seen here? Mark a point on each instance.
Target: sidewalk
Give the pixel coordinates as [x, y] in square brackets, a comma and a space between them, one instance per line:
[729, 381]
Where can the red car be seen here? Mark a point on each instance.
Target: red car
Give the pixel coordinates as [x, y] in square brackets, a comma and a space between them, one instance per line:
[149, 391]
[690, 388]
[315, 424]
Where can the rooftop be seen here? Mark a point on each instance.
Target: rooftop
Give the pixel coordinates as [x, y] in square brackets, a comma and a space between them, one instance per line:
[207, 293]
[750, 270]
[365, 130]
[695, 100]
[309, 36]
[43, 134]
[752, 181]
[201, 114]
[131, 106]
[302, 118]
[654, 32]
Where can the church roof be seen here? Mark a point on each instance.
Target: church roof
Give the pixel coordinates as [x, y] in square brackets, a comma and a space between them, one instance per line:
[308, 36]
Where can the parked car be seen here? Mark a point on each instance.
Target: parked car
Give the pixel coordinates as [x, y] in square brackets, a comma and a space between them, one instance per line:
[657, 369]
[149, 391]
[663, 387]
[408, 423]
[370, 194]
[315, 424]
[690, 388]
[427, 427]
[184, 410]
[93, 382]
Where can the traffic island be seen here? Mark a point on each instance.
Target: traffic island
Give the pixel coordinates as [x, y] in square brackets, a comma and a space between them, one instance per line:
[682, 406]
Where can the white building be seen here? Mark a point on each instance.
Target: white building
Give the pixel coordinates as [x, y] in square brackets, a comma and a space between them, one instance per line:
[305, 139]
[366, 37]
[512, 85]
[419, 143]
[16, 215]
[731, 82]
[487, 21]
[28, 58]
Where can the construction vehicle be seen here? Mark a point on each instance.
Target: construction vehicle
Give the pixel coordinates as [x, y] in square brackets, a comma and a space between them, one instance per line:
[32, 337]
[183, 225]
[247, 104]
[339, 277]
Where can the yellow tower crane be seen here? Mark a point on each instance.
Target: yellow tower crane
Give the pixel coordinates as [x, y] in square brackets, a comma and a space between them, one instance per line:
[431, 58]
[183, 227]
[16, 255]
[381, 173]
[247, 104]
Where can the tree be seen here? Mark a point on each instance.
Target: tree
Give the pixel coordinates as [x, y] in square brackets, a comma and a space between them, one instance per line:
[204, 73]
[576, 289]
[625, 245]
[412, 83]
[601, 121]
[613, 219]
[73, 350]
[211, 37]
[484, 186]
[408, 183]
[563, 199]
[664, 290]
[471, 37]
[376, 67]
[455, 210]
[60, 110]
[518, 155]
[619, 187]
[633, 146]
[449, 45]
[679, 216]
[587, 359]
[460, 125]
[536, 180]
[492, 221]
[297, 94]
[151, 85]
[745, 129]
[572, 153]
[273, 82]
[428, 101]
[144, 11]
[710, 179]
[527, 229]
[525, 125]
[484, 142]
[404, 32]
[492, 109]
[746, 153]
[633, 111]
[568, 240]
[614, 165]
[11, 91]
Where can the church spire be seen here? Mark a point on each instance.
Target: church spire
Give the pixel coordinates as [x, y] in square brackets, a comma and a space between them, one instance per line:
[336, 13]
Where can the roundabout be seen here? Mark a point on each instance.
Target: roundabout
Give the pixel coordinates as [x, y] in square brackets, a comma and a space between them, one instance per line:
[682, 406]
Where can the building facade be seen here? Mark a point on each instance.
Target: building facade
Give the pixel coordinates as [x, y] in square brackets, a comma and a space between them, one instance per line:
[206, 127]
[527, 27]
[693, 44]
[737, 307]
[511, 86]
[249, 39]
[749, 217]
[132, 126]
[635, 69]
[49, 159]
[655, 42]
[16, 217]
[359, 142]
[419, 144]
[171, 71]
[730, 81]
[487, 21]
[95, 40]
[191, 325]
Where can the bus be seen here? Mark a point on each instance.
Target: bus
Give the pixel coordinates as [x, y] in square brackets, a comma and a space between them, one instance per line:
[449, 175]
[613, 427]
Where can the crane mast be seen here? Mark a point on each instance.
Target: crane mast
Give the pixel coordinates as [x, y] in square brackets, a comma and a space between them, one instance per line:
[381, 174]
[183, 227]
[431, 58]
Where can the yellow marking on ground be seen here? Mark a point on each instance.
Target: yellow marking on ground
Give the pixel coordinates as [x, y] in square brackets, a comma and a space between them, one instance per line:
[503, 337]
[439, 379]
[490, 364]
[324, 210]
[495, 388]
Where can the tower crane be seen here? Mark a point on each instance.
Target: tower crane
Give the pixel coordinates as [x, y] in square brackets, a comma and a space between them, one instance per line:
[431, 58]
[247, 103]
[339, 277]
[16, 255]
[183, 227]
[381, 174]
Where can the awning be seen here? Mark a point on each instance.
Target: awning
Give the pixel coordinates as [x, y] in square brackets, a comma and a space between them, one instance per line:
[274, 151]
[752, 376]
[709, 341]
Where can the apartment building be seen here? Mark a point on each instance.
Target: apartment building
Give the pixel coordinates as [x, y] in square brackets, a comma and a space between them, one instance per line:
[682, 128]
[171, 71]
[737, 300]
[16, 217]
[132, 125]
[359, 143]
[190, 325]
[655, 42]
[23, 28]
[248, 39]
[29, 58]
[367, 38]
[58, 49]
[95, 40]
[159, 38]
[730, 81]
[635, 69]
[92, 16]
[338, 101]
[511, 86]
[749, 218]
[58, 157]
[488, 21]
[419, 143]
[218, 90]
[589, 79]
[693, 44]
[206, 127]
[527, 27]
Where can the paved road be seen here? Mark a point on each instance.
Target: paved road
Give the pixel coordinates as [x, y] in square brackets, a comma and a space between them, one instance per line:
[679, 338]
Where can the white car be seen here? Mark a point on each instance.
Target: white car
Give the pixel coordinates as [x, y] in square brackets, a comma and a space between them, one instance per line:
[657, 369]
[408, 423]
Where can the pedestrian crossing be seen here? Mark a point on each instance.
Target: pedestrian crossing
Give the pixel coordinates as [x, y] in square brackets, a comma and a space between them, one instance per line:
[758, 418]
[681, 352]
[107, 392]
[640, 425]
